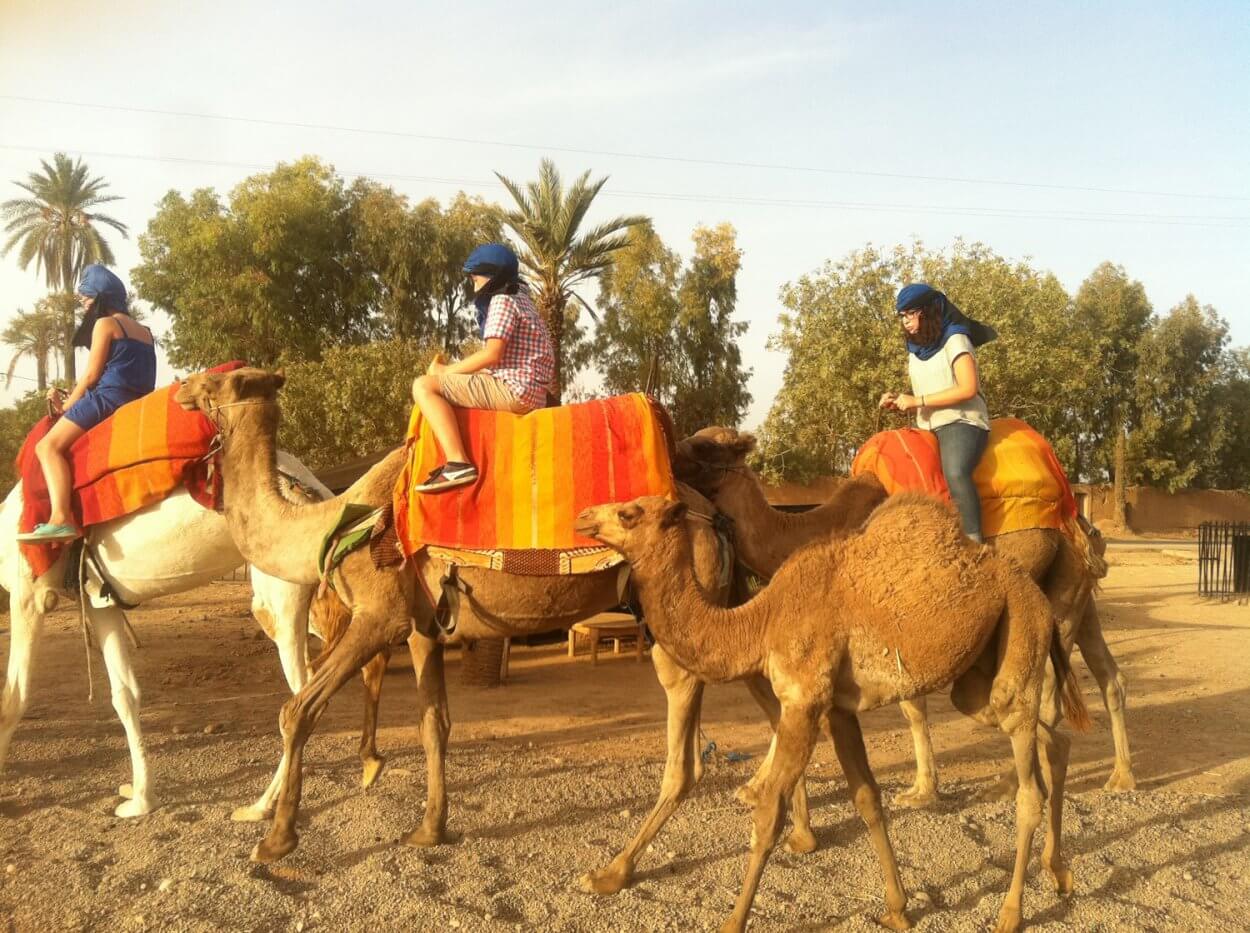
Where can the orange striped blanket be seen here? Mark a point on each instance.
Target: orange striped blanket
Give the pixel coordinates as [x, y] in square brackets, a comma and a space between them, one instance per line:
[1021, 482]
[537, 471]
[142, 453]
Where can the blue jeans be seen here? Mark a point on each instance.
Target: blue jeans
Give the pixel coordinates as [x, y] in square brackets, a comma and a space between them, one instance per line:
[961, 446]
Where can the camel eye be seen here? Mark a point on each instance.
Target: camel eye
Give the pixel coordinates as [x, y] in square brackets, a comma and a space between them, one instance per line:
[628, 517]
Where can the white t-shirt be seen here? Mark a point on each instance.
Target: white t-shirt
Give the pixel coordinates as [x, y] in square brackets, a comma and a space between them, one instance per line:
[936, 374]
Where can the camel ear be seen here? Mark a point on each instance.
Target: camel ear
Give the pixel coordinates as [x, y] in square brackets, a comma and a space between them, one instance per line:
[674, 514]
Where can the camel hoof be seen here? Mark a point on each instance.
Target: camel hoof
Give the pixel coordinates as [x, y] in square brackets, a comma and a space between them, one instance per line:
[269, 851]
[127, 791]
[1008, 920]
[372, 768]
[916, 797]
[252, 814]
[1062, 880]
[132, 808]
[1121, 781]
[894, 920]
[423, 837]
[801, 841]
[608, 880]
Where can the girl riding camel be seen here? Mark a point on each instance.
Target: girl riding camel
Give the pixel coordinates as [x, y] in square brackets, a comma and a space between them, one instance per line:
[511, 372]
[947, 395]
[121, 367]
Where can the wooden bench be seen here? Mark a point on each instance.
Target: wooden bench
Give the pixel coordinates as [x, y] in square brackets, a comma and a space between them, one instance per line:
[598, 629]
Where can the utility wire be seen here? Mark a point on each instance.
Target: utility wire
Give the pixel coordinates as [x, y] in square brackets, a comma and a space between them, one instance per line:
[654, 157]
[1224, 222]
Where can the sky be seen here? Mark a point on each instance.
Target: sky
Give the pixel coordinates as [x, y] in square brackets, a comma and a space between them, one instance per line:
[1067, 134]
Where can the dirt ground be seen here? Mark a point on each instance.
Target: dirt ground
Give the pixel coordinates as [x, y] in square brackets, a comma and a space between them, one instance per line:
[550, 774]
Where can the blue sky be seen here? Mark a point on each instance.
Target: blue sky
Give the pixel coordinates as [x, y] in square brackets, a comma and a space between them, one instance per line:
[1136, 97]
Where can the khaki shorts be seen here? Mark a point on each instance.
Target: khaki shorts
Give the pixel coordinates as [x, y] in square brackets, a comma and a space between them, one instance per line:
[480, 390]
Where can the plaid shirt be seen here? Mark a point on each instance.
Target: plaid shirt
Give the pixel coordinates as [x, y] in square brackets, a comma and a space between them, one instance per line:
[528, 363]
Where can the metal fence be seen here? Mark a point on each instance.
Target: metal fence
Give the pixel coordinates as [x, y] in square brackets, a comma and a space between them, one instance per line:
[1224, 560]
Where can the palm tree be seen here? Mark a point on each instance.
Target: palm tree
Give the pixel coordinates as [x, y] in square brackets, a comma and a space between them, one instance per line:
[546, 220]
[35, 334]
[57, 227]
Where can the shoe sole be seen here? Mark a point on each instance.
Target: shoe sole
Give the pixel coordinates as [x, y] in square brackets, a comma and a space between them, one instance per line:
[447, 484]
[45, 539]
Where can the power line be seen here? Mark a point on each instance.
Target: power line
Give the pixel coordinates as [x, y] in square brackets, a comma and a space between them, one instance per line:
[1223, 222]
[654, 157]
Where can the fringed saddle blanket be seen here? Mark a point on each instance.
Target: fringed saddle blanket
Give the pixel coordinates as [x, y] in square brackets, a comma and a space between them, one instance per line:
[537, 472]
[142, 453]
[1020, 480]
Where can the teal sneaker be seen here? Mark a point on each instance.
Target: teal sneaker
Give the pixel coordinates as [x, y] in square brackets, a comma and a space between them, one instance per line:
[47, 533]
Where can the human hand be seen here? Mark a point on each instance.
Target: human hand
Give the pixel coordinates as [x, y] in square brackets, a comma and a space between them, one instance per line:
[56, 399]
[905, 402]
[887, 400]
[438, 365]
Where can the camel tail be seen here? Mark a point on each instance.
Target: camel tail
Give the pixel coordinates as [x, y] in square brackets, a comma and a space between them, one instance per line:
[1074, 709]
[1087, 540]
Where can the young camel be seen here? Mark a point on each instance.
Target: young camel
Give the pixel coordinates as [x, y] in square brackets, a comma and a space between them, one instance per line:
[388, 605]
[713, 461]
[903, 608]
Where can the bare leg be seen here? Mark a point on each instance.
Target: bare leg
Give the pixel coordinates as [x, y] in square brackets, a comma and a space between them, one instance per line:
[796, 735]
[684, 693]
[924, 790]
[369, 633]
[427, 665]
[848, 741]
[109, 627]
[25, 627]
[56, 473]
[371, 762]
[427, 392]
[801, 840]
[1097, 655]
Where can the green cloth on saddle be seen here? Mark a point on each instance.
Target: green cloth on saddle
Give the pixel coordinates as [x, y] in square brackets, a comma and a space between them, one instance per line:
[352, 531]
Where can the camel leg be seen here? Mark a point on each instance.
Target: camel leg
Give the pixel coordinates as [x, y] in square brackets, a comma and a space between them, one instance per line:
[1028, 817]
[369, 633]
[848, 741]
[684, 693]
[796, 736]
[923, 791]
[370, 761]
[1111, 682]
[1055, 748]
[801, 840]
[427, 664]
[109, 625]
[25, 629]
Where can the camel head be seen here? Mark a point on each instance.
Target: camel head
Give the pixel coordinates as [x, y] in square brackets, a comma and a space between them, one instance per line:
[209, 392]
[704, 458]
[642, 527]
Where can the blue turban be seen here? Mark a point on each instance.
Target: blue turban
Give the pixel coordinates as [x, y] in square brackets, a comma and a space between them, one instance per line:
[954, 321]
[503, 267]
[109, 293]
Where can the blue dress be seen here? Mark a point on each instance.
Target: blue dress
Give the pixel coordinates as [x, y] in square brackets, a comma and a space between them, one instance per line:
[129, 373]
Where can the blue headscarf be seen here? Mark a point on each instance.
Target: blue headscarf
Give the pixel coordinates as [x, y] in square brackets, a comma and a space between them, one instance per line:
[109, 293]
[504, 269]
[954, 321]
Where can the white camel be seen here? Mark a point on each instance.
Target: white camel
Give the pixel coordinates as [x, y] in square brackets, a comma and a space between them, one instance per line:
[169, 547]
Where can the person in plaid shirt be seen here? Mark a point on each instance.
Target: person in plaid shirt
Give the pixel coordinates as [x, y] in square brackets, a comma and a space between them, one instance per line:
[512, 372]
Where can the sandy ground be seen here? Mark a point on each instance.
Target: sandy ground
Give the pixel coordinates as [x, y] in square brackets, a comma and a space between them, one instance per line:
[553, 772]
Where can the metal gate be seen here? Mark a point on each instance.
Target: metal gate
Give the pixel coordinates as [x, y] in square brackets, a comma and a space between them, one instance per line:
[1224, 559]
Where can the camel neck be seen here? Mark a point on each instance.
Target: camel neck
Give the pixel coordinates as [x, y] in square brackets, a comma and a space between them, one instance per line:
[714, 643]
[279, 537]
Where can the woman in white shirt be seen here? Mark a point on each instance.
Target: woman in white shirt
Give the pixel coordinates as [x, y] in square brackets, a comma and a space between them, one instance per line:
[946, 390]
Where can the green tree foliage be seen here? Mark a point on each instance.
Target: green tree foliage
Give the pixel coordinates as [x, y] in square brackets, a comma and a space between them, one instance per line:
[672, 330]
[558, 256]
[15, 423]
[1231, 469]
[38, 335]
[1182, 380]
[845, 348]
[57, 227]
[354, 402]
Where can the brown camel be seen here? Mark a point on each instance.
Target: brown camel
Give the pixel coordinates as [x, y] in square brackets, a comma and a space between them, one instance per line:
[713, 461]
[388, 605]
[846, 626]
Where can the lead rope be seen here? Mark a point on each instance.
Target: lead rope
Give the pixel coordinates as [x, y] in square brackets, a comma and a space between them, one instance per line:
[82, 618]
